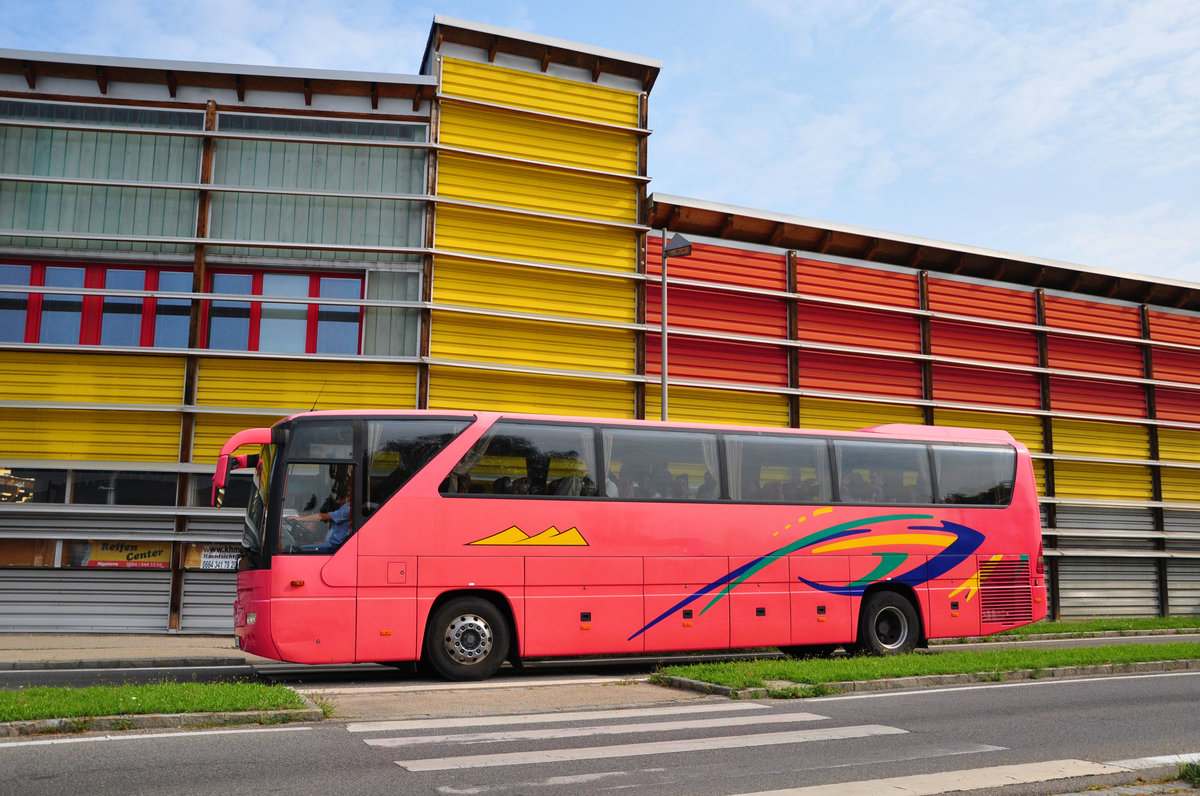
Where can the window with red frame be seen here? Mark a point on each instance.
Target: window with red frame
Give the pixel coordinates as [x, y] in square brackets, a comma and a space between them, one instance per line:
[298, 326]
[110, 320]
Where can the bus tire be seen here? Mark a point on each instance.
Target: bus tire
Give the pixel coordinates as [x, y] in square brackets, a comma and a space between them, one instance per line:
[887, 625]
[466, 639]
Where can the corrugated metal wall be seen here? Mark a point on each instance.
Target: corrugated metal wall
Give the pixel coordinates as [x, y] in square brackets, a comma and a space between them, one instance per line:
[110, 601]
[207, 605]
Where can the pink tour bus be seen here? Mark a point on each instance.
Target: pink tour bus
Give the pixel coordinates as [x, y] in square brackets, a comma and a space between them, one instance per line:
[467, 538]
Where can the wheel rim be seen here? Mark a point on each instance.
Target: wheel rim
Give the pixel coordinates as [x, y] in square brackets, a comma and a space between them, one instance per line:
[891, 628]
[469, 639]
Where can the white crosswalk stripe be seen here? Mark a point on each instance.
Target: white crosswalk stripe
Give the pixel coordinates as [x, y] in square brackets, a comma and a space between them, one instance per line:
[596, 729]
[650, 748]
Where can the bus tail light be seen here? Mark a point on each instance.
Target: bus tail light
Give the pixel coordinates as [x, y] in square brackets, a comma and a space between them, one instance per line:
[1041, 562]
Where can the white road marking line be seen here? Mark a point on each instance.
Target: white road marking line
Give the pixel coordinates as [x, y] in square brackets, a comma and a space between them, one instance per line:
[148, 736]
[525, 682]
[951, 781]
[608, 729]
[1139, 763]
[400, 725]
[1049, 681]
[642, 750]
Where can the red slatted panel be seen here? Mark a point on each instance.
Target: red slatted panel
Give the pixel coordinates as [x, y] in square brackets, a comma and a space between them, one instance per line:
[1094, 356]
[896, 378]
[720, 264]
[717, 360]
[861, 328]
[1174, 404]
[856, 283]
[1172, 365]
[1096, 397]
[1171, 327]
[983, 301]
[990, 343]
[986, 387]
[1093, 316]
[712, 310]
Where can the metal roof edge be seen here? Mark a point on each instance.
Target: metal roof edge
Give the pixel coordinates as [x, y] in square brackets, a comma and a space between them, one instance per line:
[493, 30]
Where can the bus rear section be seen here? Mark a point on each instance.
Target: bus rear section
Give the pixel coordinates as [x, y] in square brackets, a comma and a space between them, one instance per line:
[477, 537]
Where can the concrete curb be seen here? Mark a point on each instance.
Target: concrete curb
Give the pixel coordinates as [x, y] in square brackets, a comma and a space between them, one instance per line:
[124, 663]
[159, 721]
[1165, 631]
[939, 680]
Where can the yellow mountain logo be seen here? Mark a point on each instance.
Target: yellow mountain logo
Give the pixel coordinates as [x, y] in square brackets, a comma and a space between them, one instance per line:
[551, 537]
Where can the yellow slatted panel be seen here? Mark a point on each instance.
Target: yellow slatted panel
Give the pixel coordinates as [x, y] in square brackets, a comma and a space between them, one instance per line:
[83, 435]
[502, 132]
[512, 342]
[453, 388]
[301, 385]
[537, 92]
[91, 378]
[853, 415]
[537, 188]
[535, 239]
[1180, 484]
[1102, 481]
[503, 287]
[1176, 445]
[1039, 475]
[211, 431]
[698, 405]
[1107, 440]
[1027, 429]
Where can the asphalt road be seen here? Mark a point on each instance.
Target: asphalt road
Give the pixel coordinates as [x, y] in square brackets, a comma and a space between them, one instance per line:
[966, 737]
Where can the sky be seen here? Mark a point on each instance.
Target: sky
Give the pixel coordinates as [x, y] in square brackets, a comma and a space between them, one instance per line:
[1061, 129]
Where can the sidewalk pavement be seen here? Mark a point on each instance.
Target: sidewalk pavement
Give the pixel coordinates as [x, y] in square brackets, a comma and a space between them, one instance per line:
[107, 651]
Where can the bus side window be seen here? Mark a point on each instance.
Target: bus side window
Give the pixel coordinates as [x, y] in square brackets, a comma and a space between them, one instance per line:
[398, 449]
[975, 475]
[894, 473]
[517, 459]
[779, 469]
[644, 464]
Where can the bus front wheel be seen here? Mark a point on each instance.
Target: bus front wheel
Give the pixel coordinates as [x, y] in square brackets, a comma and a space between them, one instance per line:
[466, 639]
[887, 625]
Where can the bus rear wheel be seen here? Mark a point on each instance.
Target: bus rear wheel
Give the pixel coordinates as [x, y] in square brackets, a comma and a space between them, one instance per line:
[887, 625]
[466, 639]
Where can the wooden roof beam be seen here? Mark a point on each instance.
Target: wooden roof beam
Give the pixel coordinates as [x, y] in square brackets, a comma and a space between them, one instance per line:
[826, 241]
[917, 255]
[546, 56]
[727, 225]
[308, 92]
[375, 96]
[102, 79]
[240, 85]
[776, 234]
[597, 70]
[493, 49]
[172, 83]
[872, 250]
[30, 74]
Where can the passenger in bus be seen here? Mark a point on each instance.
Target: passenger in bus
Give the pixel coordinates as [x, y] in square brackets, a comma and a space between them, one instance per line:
[679, 487]
[710, 489]
[771, 492]
[502, 486]
[856, 489]
[892, 488]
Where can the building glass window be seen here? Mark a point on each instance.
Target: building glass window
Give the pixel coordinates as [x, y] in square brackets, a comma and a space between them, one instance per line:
[62, 315]
[121, 323]
[111, 319]
[122, 488]
[27, 485]
[14, 307]
[285, 327]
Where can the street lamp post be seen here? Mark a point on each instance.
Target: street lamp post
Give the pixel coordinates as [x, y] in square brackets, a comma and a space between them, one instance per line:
[678, 246]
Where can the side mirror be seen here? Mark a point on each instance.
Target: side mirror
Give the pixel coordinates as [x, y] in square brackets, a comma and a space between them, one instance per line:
[227, 462]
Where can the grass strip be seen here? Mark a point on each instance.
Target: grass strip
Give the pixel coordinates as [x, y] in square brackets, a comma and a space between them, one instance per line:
[1106, 624]
[993, 663]
[161, 697]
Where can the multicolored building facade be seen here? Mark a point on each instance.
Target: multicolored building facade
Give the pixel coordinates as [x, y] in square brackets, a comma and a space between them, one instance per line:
[188, 249]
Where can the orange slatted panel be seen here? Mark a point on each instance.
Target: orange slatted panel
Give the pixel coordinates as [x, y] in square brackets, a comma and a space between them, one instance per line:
[722, 264]
[1171, 404]
[716, 311]
[895, 378]
[1172, 365]
[716, 360]
[1096, 397]
[986, 387]
[856, 283]
[1094, 356]
[1093, 316]
[983, 301]
[861, 328]
[1171, 327]
[967, 341]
